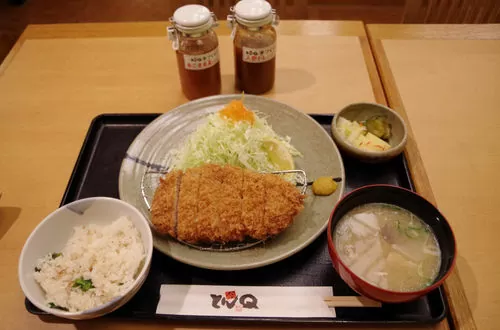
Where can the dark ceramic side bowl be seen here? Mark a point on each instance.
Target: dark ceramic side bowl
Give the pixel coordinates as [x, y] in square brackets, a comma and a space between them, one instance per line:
[412, 202]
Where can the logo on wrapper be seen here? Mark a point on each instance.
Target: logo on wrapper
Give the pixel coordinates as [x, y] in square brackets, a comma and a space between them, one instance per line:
[231, 300]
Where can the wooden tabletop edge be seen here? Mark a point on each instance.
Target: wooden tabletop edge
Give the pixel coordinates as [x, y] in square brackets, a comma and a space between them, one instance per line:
[461, 314]
[374, 75]
[434, 31]
[158, 28]
[12, 53]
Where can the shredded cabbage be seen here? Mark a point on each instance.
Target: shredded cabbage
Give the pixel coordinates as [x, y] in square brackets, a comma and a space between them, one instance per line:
[221, 141]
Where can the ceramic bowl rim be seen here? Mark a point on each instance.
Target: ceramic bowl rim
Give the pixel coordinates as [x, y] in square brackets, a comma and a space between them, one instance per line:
[97, 309]
[332, 249]
[393, 151]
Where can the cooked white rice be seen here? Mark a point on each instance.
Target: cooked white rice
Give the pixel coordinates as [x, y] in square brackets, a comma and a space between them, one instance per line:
[110, 256]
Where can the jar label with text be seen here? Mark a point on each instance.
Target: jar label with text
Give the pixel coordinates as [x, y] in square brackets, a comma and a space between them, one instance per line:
[202, 61]
[259, 55]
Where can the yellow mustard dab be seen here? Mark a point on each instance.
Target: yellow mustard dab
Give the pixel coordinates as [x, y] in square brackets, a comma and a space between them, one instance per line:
[324, 186]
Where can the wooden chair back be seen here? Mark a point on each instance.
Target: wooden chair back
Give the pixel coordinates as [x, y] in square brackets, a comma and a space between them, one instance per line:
[296, 9]
[452, 11]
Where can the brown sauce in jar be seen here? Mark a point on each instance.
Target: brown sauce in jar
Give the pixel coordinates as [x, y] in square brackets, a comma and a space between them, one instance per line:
[253, 78]
[198, 83]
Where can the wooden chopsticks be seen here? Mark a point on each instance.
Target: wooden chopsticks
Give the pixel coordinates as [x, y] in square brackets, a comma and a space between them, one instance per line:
[351, 301]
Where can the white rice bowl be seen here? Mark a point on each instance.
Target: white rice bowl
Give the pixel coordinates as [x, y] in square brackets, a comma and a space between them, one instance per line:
[103, 251]
[109, 256]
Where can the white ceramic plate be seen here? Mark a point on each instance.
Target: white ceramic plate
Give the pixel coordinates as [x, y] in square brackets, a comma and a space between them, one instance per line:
[320, 158]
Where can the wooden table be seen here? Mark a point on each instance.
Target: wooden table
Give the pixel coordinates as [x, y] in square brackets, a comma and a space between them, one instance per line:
[447, 80]
[58, 77]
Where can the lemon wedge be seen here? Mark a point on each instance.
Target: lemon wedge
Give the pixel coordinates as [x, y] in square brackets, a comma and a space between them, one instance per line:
[278, 155]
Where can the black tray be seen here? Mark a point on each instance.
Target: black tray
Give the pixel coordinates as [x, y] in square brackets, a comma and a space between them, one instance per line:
[96, 174]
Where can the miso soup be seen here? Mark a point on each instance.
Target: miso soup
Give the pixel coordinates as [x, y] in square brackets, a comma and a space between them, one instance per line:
[388, 246]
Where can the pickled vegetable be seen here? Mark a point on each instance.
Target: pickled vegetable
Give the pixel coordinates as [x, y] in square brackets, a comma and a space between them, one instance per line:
[357, 135]
[379, 127]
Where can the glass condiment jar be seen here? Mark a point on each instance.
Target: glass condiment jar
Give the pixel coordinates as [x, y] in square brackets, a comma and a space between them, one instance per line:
[254, 41]
[197, 50]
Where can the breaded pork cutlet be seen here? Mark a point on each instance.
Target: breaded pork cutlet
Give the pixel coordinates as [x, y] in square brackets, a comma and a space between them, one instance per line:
[208, 225]
[219, 205]
[223, 204]
[164, 208]
[253, 204]
[283, 203]
[187, 208]
[230, 204]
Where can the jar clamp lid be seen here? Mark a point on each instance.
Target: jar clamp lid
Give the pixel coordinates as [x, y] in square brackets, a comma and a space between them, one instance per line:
[252, 14]
[190, 19]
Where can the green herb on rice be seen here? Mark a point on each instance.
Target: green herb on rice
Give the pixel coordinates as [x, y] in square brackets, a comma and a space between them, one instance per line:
[52, 305]
[84, 285]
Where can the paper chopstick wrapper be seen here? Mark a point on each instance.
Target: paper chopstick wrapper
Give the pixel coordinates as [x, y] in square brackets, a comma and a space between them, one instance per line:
[245, 301]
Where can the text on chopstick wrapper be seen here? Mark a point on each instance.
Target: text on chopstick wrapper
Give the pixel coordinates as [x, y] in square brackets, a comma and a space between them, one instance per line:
[244, 301]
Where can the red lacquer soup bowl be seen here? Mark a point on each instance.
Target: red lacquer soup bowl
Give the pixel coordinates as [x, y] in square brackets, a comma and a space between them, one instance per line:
[412, 202]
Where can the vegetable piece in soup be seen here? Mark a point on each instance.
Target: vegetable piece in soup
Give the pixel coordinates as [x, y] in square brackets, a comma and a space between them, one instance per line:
[388, 246]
